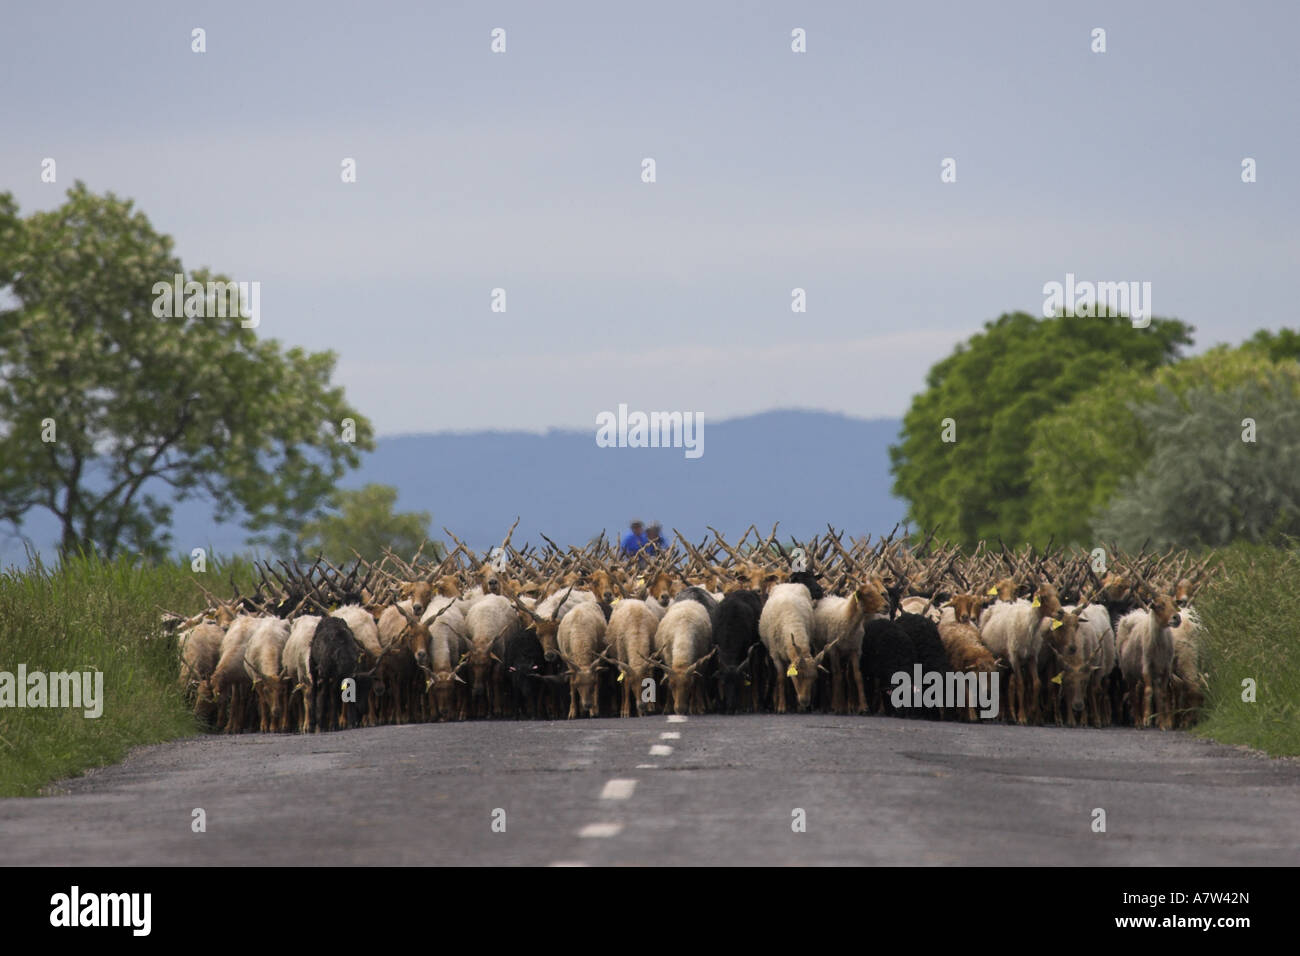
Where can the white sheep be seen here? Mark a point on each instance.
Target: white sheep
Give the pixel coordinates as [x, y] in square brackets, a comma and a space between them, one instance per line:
[230, 683]
[1014, 632]
[263, 663]
[683, 640]
[839, 625]
[489, 622]
[630, 635]
[1145, 643]
[786, 628]
[296, 659]
[581, 642]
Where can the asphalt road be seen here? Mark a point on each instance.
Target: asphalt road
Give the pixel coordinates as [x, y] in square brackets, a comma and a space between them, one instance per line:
[872, 791]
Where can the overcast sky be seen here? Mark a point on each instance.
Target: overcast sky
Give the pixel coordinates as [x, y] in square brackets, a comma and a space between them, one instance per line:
[775, 170]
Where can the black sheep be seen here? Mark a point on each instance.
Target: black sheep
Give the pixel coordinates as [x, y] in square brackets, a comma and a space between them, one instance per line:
[809, 580]
[886, 650]
[735, 632]
[524, 662]
[334, 654]
[927, 645]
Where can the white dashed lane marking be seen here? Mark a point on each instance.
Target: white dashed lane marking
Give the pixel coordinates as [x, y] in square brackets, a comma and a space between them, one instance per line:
[618, 789]
[676, 719]
[670, 735]
[596, 830]
[647, 766]
[660, 750]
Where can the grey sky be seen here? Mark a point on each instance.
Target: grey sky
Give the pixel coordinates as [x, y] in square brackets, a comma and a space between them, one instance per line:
[775, 170]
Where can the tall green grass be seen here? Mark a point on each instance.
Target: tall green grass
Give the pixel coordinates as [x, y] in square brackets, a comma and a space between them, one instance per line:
[86, 613]
[1251, 613]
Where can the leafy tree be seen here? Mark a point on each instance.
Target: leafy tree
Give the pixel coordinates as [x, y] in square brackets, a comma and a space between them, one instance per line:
[1279, 346]
[147, 410]
[1081, 452]
[365, 521]
[1202, 484]
[995, 387]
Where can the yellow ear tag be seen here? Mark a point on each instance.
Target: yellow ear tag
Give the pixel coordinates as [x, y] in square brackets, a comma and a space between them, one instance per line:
[992, 591]
[1055, 625]
[746, 683]
[640, 582]
[791, 671]
[1037, 603]
[615, 601]
[1057, 678]
[620, 677]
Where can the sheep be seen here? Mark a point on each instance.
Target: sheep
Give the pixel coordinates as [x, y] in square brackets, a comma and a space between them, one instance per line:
[523, 661]
[488, 624]
[630, 635]
[334, 653]
[926, 644]
[1145, 642]
[581, 640]
[1095, 631]
[230, 684]
[961, 640]
[735, 632]
[921, 605]
[1014, 632]
[1002, 594]
[296, 660]
[839, 621]
[1075, 650]
[199, 648]
[1188, 683]
[886, 650]
[404, 639]
[787, 627]
[684, 638]
[366, 633]
[265, 669]
[446, 690]
[659, 594]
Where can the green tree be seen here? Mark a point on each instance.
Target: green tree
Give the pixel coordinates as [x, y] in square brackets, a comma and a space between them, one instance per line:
[147, 410]
[1202, 484]
[995, 387]
[1081, 452]
[364, 520]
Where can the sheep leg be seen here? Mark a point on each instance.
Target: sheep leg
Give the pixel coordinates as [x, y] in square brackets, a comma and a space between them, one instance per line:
[855, 667]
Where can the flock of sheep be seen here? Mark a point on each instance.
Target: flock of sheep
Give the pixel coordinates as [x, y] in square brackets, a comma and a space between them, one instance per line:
[711, 627]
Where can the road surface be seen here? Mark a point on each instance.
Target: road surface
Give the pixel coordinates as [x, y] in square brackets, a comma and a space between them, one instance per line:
[654, 791]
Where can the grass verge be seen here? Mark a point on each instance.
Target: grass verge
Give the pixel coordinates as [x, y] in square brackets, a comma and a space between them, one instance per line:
[1251, 613]
[89, 614]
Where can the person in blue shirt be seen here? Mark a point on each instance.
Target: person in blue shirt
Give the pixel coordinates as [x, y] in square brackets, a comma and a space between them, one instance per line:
[655, 539]
[634, 540]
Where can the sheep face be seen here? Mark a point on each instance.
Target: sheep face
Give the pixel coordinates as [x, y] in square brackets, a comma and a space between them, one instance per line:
[584, 683]
[441, 689]
[966, 607]
[600, 584]
[547, 632]
[661, 588]
[1077, 670]
[803, 672]
[871, 596]
[1166, 611]
[419, 593]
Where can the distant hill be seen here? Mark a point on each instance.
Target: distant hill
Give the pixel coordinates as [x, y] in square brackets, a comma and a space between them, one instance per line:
[802, 468]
